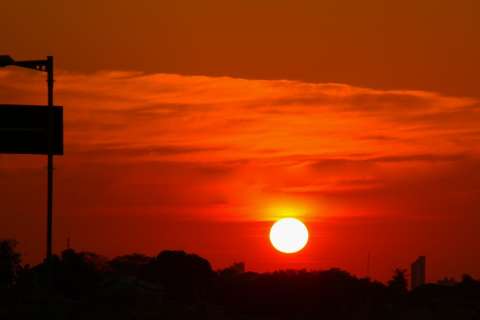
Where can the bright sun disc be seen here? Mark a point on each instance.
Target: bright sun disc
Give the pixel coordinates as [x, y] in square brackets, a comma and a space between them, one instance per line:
[289, 235]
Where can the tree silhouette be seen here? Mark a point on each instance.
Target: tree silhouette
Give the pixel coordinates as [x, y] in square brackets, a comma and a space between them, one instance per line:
[398, 284]
[234, 270]
[180, 285]
[185, 276]
[78, 272]
[131, 264]
[9, 263]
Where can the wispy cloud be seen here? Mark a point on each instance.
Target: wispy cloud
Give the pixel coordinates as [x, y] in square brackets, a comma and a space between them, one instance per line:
[242, 142]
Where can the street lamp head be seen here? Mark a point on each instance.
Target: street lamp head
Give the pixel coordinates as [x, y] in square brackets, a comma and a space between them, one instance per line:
[38, 65]
[6, 60]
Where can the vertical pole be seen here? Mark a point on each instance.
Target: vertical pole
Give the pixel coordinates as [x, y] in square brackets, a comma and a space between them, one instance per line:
[50, 159]
[368, 265]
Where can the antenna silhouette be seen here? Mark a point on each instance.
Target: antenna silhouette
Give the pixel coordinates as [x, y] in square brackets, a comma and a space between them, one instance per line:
[368, 265]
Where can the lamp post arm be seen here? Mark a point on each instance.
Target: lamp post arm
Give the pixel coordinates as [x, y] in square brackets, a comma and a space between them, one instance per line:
[38, 65]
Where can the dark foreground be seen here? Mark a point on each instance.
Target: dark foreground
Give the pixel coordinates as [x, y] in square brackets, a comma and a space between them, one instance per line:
[176, 285]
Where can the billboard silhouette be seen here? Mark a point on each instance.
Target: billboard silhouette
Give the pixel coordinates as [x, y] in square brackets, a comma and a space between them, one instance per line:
[24, 129]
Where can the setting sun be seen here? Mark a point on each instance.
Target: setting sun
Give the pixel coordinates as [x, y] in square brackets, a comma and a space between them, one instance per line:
[289, 235]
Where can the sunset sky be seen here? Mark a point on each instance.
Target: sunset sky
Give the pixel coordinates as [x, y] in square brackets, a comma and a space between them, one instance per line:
[195, 124]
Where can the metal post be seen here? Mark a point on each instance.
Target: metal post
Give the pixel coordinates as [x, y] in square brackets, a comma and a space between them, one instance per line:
[50, 159]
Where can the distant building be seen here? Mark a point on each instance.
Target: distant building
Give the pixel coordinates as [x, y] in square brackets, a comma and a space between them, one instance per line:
[417, 273]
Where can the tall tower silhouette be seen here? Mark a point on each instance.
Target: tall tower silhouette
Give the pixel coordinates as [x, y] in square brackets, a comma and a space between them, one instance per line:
[418, 272]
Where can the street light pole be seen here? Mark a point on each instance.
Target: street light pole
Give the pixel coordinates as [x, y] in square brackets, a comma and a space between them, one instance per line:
[44, 66]
[49, 66]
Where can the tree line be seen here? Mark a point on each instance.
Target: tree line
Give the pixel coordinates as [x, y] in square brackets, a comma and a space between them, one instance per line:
[180, 285]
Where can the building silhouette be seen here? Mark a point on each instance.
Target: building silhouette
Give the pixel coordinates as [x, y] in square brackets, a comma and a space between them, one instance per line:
[417, 273]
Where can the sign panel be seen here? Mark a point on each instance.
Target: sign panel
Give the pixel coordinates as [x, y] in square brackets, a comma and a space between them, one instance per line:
[23, 129]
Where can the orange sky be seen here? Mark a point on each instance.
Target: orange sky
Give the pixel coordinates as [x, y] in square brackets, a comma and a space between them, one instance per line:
[397, 44]
[373, 140]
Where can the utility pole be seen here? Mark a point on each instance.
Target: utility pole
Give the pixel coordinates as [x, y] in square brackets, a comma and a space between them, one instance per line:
[50, 158]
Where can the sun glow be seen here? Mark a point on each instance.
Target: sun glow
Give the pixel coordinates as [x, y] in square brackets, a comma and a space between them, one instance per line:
[287, 209]
[289, 235]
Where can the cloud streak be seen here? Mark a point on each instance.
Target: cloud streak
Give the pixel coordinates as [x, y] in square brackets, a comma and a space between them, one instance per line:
[183, 148]
[286, 128]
